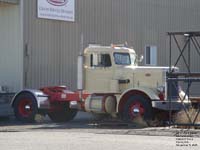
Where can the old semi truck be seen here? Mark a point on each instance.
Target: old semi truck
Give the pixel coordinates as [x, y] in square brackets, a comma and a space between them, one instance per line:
[109, 81]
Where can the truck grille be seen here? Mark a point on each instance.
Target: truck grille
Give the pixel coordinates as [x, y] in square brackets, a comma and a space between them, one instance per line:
[173, 90]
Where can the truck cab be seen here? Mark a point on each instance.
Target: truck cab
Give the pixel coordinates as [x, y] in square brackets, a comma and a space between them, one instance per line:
[115, 69]
[103, 68]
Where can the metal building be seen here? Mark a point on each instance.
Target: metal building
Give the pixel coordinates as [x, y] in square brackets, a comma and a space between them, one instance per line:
[38, 52]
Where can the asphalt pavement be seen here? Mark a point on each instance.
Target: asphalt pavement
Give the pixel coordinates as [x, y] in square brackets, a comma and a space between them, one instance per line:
[87, 133]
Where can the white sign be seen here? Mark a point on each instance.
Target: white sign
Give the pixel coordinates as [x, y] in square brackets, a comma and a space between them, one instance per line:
[56, 9]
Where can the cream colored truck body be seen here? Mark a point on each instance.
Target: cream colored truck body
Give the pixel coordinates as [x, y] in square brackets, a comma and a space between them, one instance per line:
[118, 79]
[106, 78]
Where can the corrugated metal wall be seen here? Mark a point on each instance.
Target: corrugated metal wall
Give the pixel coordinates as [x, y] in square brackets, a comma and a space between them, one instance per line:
[10, 1]
[54, 45]
[11, 51]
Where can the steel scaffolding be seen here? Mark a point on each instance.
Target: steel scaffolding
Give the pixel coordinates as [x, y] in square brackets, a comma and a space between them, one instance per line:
[187, 78]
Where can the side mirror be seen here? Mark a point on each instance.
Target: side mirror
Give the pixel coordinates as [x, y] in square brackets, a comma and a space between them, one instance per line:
[141, 58]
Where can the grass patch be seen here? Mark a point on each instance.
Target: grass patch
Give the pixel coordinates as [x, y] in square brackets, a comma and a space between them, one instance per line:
[139, 122]
[182, 118]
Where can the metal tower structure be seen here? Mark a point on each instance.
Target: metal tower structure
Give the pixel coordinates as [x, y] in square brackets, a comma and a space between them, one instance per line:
[190, 43]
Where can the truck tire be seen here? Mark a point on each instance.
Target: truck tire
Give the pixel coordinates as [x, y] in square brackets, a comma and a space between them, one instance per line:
[63, 114]
[137, 106]
[25, 107]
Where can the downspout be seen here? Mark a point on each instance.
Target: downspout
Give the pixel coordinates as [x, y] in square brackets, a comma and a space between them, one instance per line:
[21, 5]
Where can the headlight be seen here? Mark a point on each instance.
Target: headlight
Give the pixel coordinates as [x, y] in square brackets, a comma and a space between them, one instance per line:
[161, 92]
[161, 89]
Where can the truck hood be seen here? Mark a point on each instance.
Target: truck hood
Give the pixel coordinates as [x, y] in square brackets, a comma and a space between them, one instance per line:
[133, 69]
[147, 67]
[143, 76]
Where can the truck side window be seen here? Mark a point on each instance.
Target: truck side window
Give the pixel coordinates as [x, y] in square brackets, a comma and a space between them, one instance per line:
[91, 60]
[103, 60]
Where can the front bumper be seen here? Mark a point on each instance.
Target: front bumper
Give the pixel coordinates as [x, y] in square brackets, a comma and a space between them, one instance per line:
[173, 105]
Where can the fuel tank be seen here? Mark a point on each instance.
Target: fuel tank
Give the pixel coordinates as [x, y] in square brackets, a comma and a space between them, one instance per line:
[101, 104]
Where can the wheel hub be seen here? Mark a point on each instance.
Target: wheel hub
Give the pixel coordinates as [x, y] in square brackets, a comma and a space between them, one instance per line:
[25, 107]
[136, 109]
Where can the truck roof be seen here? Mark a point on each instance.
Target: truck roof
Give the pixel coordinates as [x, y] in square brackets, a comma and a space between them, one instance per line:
[108, 49]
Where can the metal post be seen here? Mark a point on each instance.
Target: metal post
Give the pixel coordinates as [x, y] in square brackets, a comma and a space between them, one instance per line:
[189, 51]
[170, 52]
[169, 83]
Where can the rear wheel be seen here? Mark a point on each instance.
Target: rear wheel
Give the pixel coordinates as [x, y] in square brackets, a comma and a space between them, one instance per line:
[62, 113]
[137, 106]
[25, 107]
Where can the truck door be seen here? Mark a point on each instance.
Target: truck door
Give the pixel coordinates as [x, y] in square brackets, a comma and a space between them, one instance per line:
[99, 73]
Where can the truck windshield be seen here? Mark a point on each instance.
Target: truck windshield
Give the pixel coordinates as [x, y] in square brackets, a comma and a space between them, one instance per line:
[124, 58]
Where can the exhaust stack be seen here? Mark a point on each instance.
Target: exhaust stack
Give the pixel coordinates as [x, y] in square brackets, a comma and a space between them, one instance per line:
[80, 67]
[80, 73]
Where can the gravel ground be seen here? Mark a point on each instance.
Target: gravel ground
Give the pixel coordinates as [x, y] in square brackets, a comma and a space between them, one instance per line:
[86, 122]
[85, 133]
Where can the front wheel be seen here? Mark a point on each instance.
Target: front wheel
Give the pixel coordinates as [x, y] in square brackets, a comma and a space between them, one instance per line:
[62, 113]
[137, 106]
[25, 107]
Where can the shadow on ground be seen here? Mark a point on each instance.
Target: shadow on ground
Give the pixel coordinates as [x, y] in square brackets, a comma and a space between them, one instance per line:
[82, 121]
